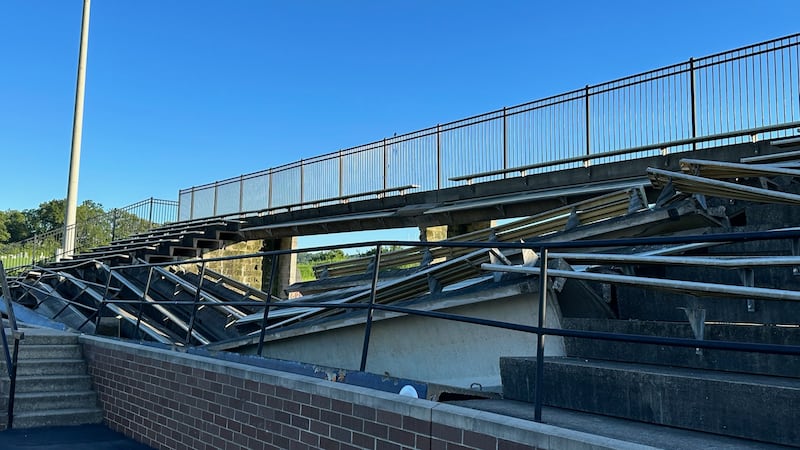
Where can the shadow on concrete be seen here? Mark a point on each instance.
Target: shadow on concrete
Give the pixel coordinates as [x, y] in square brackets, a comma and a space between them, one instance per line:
[82, 437]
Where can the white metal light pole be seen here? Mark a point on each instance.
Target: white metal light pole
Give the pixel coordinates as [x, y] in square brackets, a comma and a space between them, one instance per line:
[77, 131]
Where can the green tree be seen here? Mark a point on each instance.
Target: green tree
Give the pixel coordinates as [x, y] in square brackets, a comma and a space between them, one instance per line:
[16, 224]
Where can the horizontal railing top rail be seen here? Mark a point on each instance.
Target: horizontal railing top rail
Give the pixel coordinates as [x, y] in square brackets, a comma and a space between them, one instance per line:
[704, 101]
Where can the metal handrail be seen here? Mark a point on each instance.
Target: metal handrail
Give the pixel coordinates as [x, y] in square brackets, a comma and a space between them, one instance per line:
[11, 355]
[43, 247]
[749, 87]
[540, 330]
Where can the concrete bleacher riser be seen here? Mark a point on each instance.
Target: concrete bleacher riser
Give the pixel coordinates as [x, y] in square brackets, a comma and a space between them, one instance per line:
[729, 361]
[730, 404]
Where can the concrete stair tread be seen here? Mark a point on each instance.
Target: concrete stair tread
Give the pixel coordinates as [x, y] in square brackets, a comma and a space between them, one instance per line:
[28, 361]
[58, 417]
[52, 377]
[40, 395]
[57, 412]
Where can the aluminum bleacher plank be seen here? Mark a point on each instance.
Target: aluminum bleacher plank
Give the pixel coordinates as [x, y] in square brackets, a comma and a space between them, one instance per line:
[698, 185]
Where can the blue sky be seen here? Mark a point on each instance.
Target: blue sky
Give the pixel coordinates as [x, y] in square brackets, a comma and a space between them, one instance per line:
[183, 93]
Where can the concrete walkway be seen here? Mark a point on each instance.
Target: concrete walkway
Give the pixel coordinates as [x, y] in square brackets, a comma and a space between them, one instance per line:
[82, 437]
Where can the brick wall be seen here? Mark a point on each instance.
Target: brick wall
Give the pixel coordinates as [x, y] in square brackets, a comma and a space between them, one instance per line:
[172, 400]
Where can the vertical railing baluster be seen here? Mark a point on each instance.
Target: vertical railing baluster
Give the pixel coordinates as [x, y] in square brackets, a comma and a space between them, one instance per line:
[538, 394]
[191, 205]
[240, 209]
[142, 301]
[586, 115]
[265, 318]
[693, 101]
[150, 215]
[438, 157]
[505, 142]
[197, 294]
[302, 181]
[385, 164]
[341, 174]
[269, 189]
[368, 325]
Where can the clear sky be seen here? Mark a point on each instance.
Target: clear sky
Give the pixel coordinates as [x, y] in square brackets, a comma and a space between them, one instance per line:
[185, 92]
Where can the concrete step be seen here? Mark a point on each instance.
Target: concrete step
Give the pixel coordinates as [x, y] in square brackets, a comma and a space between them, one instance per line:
[36, 351]
[30, 367]
[46, 401]
[36, 336]
[53, 383]
[748, 406]
[755, 363]
[59, 417]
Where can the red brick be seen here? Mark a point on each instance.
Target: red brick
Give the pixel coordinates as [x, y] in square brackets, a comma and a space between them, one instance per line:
[352, 423]
[340, 434]
[320, 428]
[342, 407]
[479, 440]
[309, 411]
[328, 444]
[300, 422]
[402, 437]
[376, 429]
[330, 417]
[389, 418]
[416, 425]
[446, 433]
[385, 445]
[321, 401]
[309, 438]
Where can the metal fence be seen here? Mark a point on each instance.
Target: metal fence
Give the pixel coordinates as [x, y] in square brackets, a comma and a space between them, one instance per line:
[92, 232]
[720, 99]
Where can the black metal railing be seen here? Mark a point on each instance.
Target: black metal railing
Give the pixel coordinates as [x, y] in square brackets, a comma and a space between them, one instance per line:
[724, 98]
[540, 299]
[95, 231]
[11, 353]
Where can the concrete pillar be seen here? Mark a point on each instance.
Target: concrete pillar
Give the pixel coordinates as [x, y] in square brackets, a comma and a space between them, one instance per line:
[442, 232]
[464, 228]
[433, 234]
[287, 265]
[246, 270]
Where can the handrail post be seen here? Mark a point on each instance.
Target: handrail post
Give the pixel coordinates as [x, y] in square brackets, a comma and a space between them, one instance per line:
[538, 394]
[438, 157]
[588, 129]
[142, 301]
[269, 190]
[385, 164]
[191, 205]
[693, 101]
[150, 215]
[99, 312]
[341, 174]
[302, 181]
[241, 195]
[197, 294]
[505, 143]
[11, 356]
[216, 197]
[368, 326]
[273, 273]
